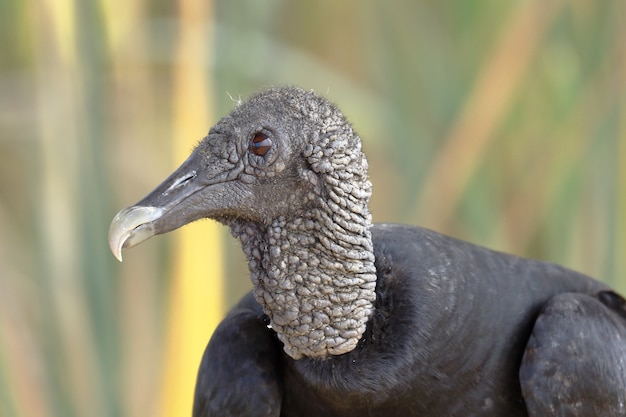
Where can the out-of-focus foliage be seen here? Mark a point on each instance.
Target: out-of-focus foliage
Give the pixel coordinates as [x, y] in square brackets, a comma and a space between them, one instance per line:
[503, 123]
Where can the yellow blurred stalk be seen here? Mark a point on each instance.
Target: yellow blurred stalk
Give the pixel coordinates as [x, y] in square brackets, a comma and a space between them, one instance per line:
[196, 293]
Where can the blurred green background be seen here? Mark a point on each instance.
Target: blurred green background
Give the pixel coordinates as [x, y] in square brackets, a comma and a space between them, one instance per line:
[498, 122]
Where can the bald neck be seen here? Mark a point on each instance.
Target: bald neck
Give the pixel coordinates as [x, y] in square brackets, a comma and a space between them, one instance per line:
[315, 279]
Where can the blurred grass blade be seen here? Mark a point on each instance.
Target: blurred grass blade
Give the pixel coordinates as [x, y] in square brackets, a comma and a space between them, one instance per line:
[196, 295]
[67, 344]
[491, 96]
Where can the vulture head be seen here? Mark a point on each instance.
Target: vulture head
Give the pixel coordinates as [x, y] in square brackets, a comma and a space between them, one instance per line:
[284, 170]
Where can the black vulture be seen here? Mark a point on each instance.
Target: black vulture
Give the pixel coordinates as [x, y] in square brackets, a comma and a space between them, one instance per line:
[350, 318]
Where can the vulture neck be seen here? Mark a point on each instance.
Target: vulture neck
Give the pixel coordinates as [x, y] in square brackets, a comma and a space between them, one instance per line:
[314, 275]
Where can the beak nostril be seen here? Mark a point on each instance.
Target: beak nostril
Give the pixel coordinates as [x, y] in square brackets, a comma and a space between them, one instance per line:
[181, 182]
[188, 178]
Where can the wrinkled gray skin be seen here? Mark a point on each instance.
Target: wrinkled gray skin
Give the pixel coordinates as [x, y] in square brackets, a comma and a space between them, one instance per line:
[377, 320]
[310, 257]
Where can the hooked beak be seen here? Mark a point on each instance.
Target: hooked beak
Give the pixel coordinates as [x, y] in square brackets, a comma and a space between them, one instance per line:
[178, 200]
[203, 186]
[132, 226]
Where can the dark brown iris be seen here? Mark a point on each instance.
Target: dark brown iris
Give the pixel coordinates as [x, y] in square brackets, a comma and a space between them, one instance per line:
[260, 144]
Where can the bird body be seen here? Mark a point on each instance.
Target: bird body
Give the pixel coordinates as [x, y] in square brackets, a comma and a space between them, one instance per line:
[350, 318]
[433, 334]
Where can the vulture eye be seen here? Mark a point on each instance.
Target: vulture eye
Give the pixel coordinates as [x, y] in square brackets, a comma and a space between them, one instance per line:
[260, 144]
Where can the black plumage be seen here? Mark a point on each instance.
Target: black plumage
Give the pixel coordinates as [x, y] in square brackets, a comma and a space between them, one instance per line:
[248, 357]
[352, 319]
